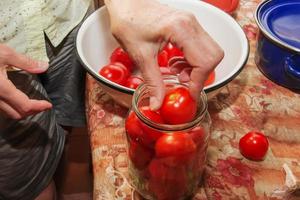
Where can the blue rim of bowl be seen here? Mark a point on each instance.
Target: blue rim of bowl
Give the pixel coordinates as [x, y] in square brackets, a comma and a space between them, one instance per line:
[131, 91]
[270, 35]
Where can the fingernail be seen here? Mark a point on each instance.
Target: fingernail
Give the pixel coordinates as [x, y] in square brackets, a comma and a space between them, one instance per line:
[154, 103]
[43, 65]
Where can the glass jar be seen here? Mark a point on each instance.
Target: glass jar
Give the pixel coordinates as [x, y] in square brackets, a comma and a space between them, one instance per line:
[173, 176]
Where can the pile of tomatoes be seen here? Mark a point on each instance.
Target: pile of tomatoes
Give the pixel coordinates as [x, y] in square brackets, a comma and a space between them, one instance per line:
[168, 164]
[122, 69]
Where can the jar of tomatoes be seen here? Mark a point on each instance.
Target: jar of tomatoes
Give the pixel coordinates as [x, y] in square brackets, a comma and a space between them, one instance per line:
[167, 148]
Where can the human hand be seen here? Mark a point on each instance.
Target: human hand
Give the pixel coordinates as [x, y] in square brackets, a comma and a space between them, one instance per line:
[143, 27]
[13, 102]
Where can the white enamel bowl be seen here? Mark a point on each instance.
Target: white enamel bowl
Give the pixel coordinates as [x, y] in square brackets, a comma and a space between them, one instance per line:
[95, 43]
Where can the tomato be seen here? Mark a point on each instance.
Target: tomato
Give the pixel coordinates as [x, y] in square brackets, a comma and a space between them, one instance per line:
[210, 79]
[133, 82]
[140, 132]
[176, 148]
[163, 58]
[133, 127]
[169, 51]
[115, 72]
[172, 51]
[119, 55]
[254, 145]
[140, 155]
[178, 106]
[151, 135]
[198, 136]
[167, 183]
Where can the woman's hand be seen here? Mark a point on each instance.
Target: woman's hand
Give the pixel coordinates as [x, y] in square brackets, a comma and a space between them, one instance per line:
[13, 102]
[143, 27]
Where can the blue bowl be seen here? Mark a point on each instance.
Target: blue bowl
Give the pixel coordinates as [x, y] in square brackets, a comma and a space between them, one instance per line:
[278, 45]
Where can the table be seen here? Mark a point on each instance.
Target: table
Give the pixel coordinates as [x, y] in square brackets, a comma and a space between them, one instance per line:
[250, 102]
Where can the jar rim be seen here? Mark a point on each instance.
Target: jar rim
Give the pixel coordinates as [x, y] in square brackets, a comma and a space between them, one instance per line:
[202, 100]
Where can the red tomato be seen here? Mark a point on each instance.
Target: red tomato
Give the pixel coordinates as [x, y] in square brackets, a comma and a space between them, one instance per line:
[172, 51]
[133, 127]
[254, 145]
[198, 136]
[140, 155]
[175, 149]
[133, 82]
[210, 79]
[169, 51]
[174, 144]
[119, 55]
[140, 132]
[226, 5]
[115, 72]
[163, 58]
[178, 106]
[167, 183]
[151, 135]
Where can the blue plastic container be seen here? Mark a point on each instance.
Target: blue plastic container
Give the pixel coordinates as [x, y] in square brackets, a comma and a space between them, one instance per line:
[278, 45]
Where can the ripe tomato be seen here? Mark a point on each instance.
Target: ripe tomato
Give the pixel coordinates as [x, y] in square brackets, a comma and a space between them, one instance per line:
[151, 135]
[175, 149]
[133, 127]
[140, 132]
[211, 78]
[174, 144]
[119, 55]
[172, 50]
[115, 72]
[133, 82]
[167, 183]
[163, 58]
[178, 106]
[169, 51]
[254, 145]
[198, 136]
[140, 155]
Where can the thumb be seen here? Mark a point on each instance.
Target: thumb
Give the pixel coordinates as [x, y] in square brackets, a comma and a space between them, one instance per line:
[12, 58]
[154, 82]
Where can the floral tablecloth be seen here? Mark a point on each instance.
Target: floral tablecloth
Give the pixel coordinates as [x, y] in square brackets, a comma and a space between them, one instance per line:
[250, 102]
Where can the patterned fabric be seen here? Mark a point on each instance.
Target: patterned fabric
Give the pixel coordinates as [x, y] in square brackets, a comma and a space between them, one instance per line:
[23, 23]
[249, 102]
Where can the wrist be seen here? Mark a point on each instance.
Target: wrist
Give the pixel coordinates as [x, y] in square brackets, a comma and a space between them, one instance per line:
[118, 7]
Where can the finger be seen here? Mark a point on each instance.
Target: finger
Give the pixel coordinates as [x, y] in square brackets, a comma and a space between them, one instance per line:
[178, 66]
[197, 78]
[37, 106]
[175, 59]
[200, 50]
[11, 57]
[184, 75]
[3, 72]
[198, 46]
[20, 102]
[9, 111]
[153, 80]
[165, 71]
